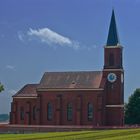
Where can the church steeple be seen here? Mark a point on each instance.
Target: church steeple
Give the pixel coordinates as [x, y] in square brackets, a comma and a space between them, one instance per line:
[113, 74]
[112, 49]
[113, 38]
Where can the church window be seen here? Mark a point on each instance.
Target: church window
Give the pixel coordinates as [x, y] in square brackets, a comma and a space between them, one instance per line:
[49, 111]
[34, 113]
[90, 111]
[21, 113]
[111, 59]
[69, 112]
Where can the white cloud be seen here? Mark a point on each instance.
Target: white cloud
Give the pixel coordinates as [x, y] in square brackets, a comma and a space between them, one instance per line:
[52, 38]
[20, 36]
[12, 91]
[10, 67]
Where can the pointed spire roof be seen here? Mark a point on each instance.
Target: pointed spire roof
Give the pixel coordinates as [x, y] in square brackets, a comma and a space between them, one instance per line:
[113, 38]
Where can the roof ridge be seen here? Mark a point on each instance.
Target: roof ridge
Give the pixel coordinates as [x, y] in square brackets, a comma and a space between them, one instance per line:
[70, 71]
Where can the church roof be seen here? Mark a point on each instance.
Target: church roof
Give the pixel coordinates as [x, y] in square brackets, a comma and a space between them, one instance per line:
[113, 38]
[28, 90]
[71, 80]
[64, 80]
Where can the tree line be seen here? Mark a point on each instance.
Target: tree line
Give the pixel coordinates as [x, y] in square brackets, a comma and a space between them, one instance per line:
[132, 108]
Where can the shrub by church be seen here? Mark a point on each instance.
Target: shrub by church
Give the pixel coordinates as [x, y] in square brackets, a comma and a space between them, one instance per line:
[76, 98]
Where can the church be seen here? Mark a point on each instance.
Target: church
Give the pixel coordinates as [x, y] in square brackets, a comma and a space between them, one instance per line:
[78, 97]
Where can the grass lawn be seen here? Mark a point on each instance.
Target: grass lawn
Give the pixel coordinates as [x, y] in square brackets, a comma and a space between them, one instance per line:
[127, 134]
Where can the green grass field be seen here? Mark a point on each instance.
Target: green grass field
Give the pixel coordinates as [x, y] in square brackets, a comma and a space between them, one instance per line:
[127, 134]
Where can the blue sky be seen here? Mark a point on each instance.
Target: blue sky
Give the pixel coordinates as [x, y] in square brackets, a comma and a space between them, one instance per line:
[28, 29]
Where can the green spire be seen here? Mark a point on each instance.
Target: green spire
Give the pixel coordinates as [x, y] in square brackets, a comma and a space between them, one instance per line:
[112, 39]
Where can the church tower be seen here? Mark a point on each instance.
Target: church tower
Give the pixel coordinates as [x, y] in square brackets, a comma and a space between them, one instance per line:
[113, 74]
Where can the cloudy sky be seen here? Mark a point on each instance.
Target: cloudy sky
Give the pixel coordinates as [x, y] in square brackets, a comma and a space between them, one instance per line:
[63, 35]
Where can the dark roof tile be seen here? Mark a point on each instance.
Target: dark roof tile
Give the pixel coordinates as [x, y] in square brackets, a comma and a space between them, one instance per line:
[83, 79]
[27, 90]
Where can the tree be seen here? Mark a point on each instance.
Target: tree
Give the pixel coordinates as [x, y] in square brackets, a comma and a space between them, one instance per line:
[1, 87]
[132, 108]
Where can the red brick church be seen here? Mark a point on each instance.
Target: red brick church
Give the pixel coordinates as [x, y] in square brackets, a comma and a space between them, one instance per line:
[76, 98]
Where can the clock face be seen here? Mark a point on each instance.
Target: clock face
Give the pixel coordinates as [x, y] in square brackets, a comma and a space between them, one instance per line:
[111, 77]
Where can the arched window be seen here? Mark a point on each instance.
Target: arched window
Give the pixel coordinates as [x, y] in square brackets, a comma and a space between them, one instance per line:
[49, 111]
[21, 113]
[34, 112]
[69, 112]
[90, 111]
[111, 59]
